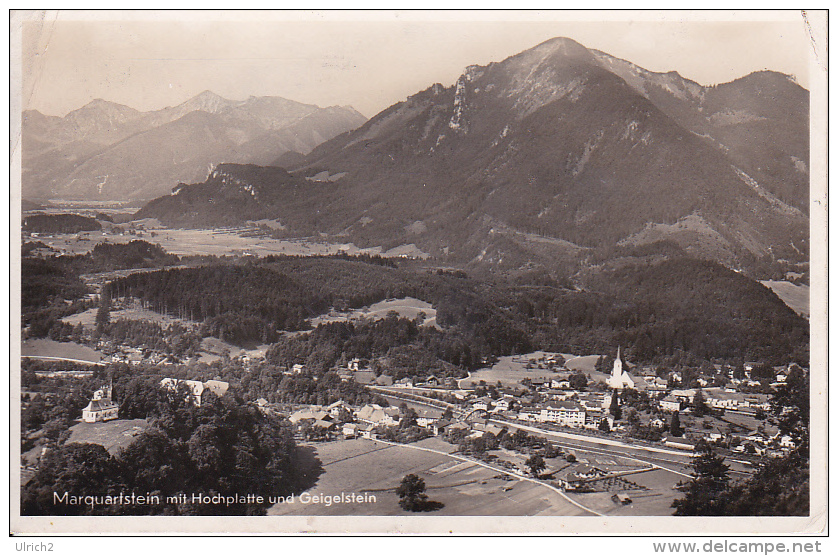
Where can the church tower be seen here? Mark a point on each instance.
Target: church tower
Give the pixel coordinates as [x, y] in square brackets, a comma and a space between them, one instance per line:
[619, 378]
[618, 366]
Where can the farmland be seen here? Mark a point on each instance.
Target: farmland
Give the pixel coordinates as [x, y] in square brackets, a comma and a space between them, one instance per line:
[796, 297]
[511, 370]
[407, 307]
[218, 242]
[43, 347]
[464, 488]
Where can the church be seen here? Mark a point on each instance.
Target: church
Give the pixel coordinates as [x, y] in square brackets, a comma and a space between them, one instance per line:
[620, 378]
[101, 407]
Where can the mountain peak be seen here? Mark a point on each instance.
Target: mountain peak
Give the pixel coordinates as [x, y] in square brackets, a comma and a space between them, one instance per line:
[564, 46]
[206, 101]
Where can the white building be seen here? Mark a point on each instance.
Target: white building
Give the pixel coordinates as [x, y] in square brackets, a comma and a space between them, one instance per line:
[564, 413]
[619, 378]
[101, 407]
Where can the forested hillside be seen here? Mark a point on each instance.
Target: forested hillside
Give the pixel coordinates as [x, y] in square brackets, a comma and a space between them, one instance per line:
[678, 306]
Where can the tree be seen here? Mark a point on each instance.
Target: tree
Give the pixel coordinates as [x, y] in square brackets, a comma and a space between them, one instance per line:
[536, 465]
[411, 493]
[699, 406]
[675, 425]
[615, 408]
[578, 381]
[706, 493]
[604, 426]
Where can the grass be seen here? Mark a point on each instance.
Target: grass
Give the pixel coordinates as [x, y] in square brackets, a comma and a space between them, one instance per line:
[463, 488]
[213, 242]
[112, 435]
[796, 297]
[407, 307]
[511, 370]
[50, 348]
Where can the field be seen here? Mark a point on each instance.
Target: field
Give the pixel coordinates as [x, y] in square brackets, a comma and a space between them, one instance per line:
[215, 242]
[796, 297]
[112, 435]
[133, 312]
[651, 494]
[407, 307]
[511, 370]
[464, 488]
[64, 350]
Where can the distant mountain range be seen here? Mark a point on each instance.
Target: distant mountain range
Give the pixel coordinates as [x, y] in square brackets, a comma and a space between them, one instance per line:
[107, 151]
[540, 157]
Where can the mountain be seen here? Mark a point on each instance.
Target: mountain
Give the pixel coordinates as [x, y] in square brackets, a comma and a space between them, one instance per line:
[546, 155]
[107, 151]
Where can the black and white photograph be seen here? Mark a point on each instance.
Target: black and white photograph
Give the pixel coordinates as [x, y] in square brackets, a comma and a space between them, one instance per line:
[460, 272]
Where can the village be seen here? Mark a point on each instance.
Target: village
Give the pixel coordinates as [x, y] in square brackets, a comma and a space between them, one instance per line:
[636, 410]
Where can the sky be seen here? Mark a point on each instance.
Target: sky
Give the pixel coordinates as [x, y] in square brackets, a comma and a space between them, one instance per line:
[368, 60]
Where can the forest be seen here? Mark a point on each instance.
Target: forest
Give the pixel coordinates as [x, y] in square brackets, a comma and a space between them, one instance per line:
[59, 224]
[676, 306]
[223, 447]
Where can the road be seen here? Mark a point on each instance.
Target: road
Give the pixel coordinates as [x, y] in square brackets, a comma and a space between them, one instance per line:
[51, 358]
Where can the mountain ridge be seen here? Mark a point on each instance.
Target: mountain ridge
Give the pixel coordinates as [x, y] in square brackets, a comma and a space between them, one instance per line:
[564, 143]
[70, 157]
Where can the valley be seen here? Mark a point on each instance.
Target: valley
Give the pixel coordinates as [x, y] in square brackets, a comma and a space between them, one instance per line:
[560, 286]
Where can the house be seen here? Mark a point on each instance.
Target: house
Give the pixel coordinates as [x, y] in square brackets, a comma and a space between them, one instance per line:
[539, 383]
[441, 426]
[368, 431]
[217, 387]
[376, 415]
[323, 425]
[405, 383]
[560, 383]
[199, 390]
[101, 407]
[593, 419]
[657, 384]
[680, 443]
[504, 404]
[297, 369]
[482, 404]
[384, 380]
[568, 414]
[314, 413]
[358, 364]
[432, 381]
[336, 408]
[684, 394]
[670, 403]
[529, 414]
[426, 417]
[350, 430]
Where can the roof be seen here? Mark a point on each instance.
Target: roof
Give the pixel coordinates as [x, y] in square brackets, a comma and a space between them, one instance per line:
[567, 406]
[217, 387]
[101, 405]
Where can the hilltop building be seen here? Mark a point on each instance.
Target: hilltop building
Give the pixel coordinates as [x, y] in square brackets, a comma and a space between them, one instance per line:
[198, 389]
[101, 407]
